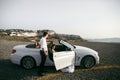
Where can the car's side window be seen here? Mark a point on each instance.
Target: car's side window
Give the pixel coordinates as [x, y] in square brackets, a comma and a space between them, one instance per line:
[59, 48]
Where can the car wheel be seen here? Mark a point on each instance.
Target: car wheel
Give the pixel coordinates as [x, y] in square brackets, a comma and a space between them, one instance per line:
[28, 62]
[88, 62]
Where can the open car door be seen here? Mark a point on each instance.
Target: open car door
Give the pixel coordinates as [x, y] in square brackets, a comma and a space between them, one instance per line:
[63, 59]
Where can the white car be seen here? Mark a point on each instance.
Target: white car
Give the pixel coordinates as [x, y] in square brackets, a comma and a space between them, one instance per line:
[66, 54]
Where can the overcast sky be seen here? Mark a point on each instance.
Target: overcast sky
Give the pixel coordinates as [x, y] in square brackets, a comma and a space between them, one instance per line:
[87, 18]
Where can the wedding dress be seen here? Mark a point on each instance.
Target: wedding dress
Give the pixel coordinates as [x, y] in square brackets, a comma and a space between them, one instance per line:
[69, 69]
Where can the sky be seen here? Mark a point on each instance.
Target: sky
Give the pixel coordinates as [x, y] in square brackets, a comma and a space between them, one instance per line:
[87, 18]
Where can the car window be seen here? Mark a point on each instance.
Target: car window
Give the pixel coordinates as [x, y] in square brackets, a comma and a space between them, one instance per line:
[61, 47]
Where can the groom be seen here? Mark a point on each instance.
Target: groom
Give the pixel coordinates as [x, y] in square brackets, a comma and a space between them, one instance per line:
[43, 53]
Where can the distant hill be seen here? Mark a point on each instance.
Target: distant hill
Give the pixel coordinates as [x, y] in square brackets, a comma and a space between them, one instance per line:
[108, 40]
[28, 35]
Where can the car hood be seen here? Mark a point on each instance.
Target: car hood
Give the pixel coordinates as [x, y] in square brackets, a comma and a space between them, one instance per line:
[84, 49]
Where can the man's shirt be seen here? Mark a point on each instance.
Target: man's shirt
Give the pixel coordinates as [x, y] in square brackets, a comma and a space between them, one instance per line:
[43, 44]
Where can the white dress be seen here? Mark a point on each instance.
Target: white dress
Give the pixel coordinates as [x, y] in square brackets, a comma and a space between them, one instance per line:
[69, 69]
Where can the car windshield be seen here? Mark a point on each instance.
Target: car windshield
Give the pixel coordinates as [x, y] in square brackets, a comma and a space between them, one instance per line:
[67, 44]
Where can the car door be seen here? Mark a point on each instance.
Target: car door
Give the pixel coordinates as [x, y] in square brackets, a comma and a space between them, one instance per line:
[63, 59]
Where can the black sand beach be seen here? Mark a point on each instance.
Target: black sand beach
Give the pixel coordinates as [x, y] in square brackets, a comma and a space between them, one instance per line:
[108, 69]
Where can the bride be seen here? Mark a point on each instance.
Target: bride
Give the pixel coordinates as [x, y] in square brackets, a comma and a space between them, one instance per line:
[69, 69]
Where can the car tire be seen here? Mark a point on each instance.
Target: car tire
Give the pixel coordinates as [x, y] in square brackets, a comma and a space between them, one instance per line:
[28, 62]
[88, 62]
